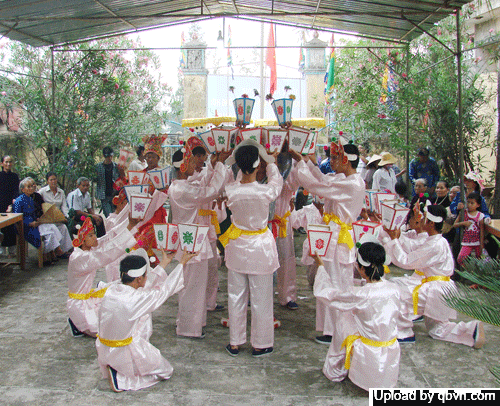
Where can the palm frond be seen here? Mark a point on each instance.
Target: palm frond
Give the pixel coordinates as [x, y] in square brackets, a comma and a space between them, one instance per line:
[483, 272]
[479, 304]
[496, 373]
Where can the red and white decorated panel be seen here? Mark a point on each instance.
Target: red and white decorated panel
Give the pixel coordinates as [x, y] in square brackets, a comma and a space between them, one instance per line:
[319, 236]
[362, 227]
[160, 178]
[167, 236]
[136, 177]
[393, 215]
[299, 140]
[209, 140]
[224, 137]
[139, 205]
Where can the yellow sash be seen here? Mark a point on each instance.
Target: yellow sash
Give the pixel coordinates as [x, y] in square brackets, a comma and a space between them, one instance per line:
[115, 343]
[214, 220]
[349, 341]
[234, 232]
[85, 296]
[419, 272]
[281, 223]
[344, 235]
[425, 280]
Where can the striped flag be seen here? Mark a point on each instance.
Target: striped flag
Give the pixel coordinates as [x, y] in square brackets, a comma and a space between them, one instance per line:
[330, 73]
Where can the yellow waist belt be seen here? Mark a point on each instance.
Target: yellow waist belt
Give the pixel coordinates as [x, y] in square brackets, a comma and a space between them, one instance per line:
[214, 220]
[419, 272]
[425, 280]
[115, 343]
[85, 296]
[279, 225]
[234, 232]
[344, 235]
[349, 341]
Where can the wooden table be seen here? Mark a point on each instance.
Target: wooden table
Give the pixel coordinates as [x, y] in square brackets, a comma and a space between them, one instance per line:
[7, 219]
[493, 228]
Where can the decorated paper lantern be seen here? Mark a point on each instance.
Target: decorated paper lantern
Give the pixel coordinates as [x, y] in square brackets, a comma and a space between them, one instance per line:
[136, 177]
[319, 236]
[299, 140]
[381, 197]
[243, 108]
[192, 236]
[139, 205]
[313, 137]
[283, 110]
[209, 141]
[254, 134]
[363, 227]
[160, 177]
[393, 215]
[125, 158]
[224, 137]
[370, 199]
[138, 190]
[276, 138]
[167, 236]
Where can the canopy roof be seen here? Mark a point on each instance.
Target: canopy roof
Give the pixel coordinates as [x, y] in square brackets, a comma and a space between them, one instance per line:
[55, 22]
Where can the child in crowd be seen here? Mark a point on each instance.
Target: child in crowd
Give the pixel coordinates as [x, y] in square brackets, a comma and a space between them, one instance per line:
[371, 350]
[250, 249]
[124, 352]
[473, 237]
[435, 260]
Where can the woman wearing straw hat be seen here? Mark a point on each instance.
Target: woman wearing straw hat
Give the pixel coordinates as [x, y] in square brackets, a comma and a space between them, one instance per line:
[385, 178]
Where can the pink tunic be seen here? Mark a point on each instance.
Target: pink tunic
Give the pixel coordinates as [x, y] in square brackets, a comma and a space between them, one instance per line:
[82, 267]
[124, 313]
[374, 307]
[286, 274]
[253, 254]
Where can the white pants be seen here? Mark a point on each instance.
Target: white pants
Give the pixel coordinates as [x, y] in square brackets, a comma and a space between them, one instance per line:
[192, 313]
[213, 277]
[260, 290]
[287, 272]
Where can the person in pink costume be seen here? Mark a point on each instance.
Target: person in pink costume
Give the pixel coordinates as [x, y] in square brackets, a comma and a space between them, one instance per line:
[309, 214]
[250, 249]
[286, 275]
[90, 254]
[371, 353]
[187, 196]
[208, 216]
[435, 260]
[473, 222]
[124, 352]
[344, 194]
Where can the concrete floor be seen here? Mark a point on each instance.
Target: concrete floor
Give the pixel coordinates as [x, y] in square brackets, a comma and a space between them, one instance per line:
[42, 364]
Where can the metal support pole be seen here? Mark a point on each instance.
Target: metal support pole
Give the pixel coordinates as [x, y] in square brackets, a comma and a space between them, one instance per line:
[53, 88]
[407, 157]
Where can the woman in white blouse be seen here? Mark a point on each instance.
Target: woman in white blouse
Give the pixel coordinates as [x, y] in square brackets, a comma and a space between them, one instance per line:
[55, 195]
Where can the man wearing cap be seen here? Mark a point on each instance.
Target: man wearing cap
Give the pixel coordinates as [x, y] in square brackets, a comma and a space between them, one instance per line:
[107, 174]
[90, 254]
[426, 167]
[124, 352]
[384, 178]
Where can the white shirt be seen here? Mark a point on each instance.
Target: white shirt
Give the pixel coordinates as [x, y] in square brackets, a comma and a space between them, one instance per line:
[58, 199]
[137, 165]
[77, 201]
[384, 179]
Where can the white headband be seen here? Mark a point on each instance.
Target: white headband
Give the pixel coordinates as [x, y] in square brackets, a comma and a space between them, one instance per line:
[178, 164]
[351, 157]
[257, 162]
[134, 273]
[432, 217]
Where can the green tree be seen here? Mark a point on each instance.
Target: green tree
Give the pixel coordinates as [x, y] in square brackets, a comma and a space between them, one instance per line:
[100, 94]
[422, 90]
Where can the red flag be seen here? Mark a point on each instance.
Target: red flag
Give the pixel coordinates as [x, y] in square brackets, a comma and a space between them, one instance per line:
[271, 60]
